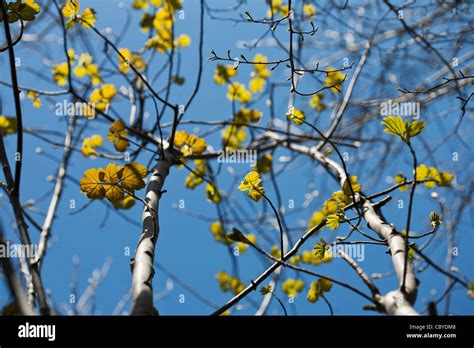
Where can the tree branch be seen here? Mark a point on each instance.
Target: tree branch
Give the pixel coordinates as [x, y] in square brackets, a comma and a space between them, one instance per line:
[142, 264]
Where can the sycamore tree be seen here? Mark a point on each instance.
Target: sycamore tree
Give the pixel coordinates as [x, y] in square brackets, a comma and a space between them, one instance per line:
[279, 157]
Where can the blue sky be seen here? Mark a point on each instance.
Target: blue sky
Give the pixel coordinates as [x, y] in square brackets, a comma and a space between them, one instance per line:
[186, 246]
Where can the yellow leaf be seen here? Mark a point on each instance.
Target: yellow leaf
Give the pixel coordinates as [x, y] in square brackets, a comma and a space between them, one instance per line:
[291, 287]
[180, 138]
[140, 4]
[331, 206]
[158, 3]
[97, 140]
[60, 73]
[196, 176]
[251, 184]
[89, 145]
[7, 125]
[121, 144]
[245, 115]
[316, 219]
[183, 40]
[96, 96]
[224, 73]
[108, 91]
[88, 18]
[320, 250]
[71, 55]
[421, 172]
[229, 283]
[425, 173]
[117, 135]
[296, 115]
[333, 221]
[400, 178]
[415, 128]
[244, 246]
[34, 96]
[86, 68]
[324, 284]
[126, 203]
[213, 194]
[318, 288]
[256, 193]
[261, 70]
[445, 179]
[276, 7]
[334, 80]
[346, 188]
[172, 4]
[257, 84]
[102, 97]
[71, 8]
[189, 144]
[312, 296]
[192, 181]
[127, 59]
[275, 252]
[113, 181]
[33, 5]
[91, 183]
[124, 60]
[309, 11]
[113, 191]
[251, 180]
[197, 144]
[132, 176]
[394, 125]
[233, 136]
[80, 71]
[37, 103]
[219, 234]
[237, 91]
[311, 258]
[316, 102]
[434, 175]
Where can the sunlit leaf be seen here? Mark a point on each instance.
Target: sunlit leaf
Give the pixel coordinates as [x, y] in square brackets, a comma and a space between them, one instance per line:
[113, 191]
[117, 135]
[394, 125]
[296, 115]
[91, 184]
[132, 176]
[333, 221]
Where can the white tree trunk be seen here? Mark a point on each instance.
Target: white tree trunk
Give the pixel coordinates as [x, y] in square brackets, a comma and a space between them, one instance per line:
[142, 265]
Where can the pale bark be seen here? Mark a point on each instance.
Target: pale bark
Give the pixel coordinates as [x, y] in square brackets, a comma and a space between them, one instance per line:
[395, 302]
[23, 232]
[364, 276]
[142, 265]
[267, 299]
[98, 275]
[14, 284]
[58, 189]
